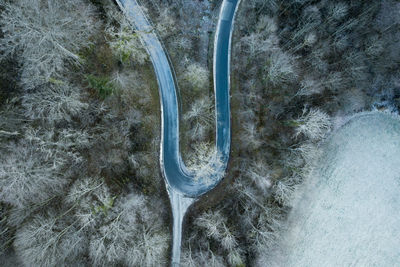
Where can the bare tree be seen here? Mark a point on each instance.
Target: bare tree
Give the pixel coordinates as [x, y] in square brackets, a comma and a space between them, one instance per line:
[197, 76]
[206, 163]
[132, 236]
[166, 23]
[29, 174]
[259, 173]
[90, 199]
[280, 69]
[45, 35]
[310, 86]
[53, 103]
[200, 116]
[123, 41]
[202, 258]
[50, 239]
[215, 225]
[251, 135]
[313, 124]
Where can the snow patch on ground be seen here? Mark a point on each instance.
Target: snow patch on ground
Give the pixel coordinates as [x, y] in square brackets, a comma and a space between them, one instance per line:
[348, 211]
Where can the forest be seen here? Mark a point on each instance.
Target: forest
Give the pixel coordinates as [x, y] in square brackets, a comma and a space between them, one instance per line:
[80, 182]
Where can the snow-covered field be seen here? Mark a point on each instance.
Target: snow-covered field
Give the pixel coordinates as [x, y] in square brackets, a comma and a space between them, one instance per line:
[348, 213]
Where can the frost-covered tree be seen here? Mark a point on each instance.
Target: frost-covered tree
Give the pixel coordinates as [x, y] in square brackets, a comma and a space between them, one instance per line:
[91, 200]
[46, 35]
[280, 69]
[250, 135]
[263, 39]
[38, 168]
[259, 173]
[197, 76]
[11, 119]
[133, 236]
[30, 174]
[201, 118]
[305, 155]
[206, 163]
[313, 124]
[310, 86]
[166, 24]
[283, 191]
[53, 102]
[133, 89]
[51, 238]
[215, 226]
[124, 42]
[202, 258]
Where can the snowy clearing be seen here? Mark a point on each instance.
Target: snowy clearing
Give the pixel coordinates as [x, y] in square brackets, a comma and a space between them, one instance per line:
[347, 213]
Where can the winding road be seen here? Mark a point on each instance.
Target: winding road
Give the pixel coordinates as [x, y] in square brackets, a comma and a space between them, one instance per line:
[183, 189]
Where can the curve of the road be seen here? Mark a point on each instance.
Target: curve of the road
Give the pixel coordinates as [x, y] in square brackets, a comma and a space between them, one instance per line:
[177, 176]
[183, 189]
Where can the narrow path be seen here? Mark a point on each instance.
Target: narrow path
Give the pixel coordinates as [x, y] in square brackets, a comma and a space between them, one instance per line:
[183, 189]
